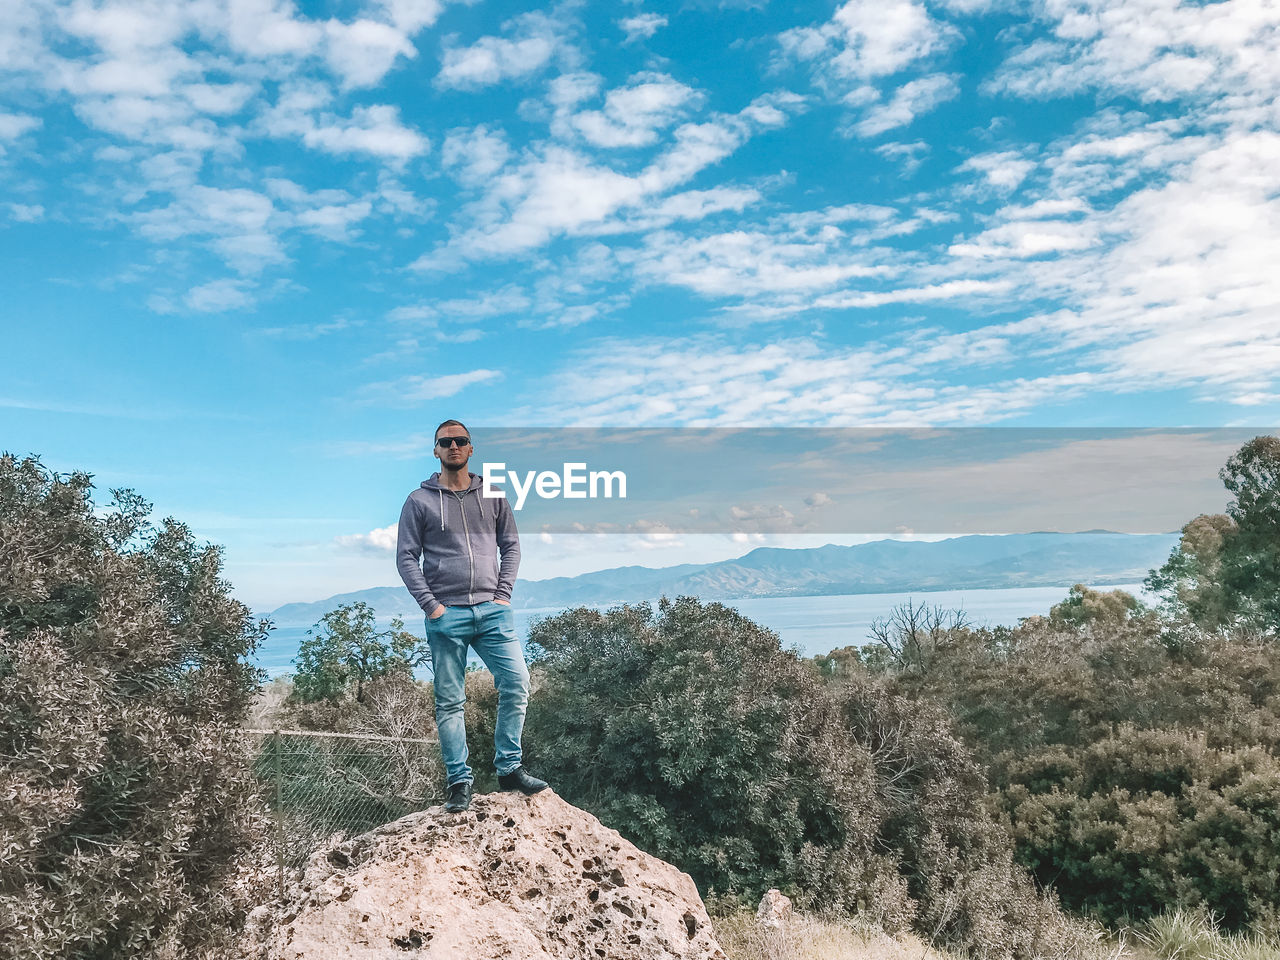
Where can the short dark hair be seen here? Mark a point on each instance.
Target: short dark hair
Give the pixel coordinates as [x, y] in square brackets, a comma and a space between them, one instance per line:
[450, 423]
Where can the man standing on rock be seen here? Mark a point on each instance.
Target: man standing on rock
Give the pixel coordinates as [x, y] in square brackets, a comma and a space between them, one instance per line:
[458, 534]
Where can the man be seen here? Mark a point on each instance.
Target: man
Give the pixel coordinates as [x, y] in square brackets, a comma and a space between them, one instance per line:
[466, 594]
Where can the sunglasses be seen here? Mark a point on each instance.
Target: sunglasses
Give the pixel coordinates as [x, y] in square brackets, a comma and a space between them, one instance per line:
[447, 442]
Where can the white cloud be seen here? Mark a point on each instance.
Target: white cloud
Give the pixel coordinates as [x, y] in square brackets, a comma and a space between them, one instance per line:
[306, 331]
[633, 115]
[1155, 288]
[1155, 50]
[267, 28]
[402, 448]
[910, 155]
[1028, 238]
[218, 99]
[122, 27]
[15, 125]
[786, 264]
[474, 155]
[412, 15]
[747, 263]
[218, 296]
[381, 541]
[1004, 170]
[909, 101]
[867, 39]
[687, 205]
[148, 82]
[950, 290]
[642, 26]
[494, 303]
[1254, 399]
[26, 212]
[569, 89]
[240, 224]
[1178, 298]
[707, 381]
[374, 130]
[413, 389]
[562, 191]
[536, 39]
[335, 221]
[363, 51]
[699, 145]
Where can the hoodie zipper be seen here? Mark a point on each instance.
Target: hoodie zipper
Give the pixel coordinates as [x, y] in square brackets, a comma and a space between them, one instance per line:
[471, 560]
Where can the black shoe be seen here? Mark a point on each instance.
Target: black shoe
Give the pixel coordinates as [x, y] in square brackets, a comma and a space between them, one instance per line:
[519, 779]
[458, 797]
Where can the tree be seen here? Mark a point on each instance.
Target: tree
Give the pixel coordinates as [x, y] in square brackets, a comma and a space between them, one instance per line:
[1190, 584]
[912, 637]
[688, 729]
[1085, 608]
[1137, 776]
[128, 799]
[345, 649]
[1252, 560]
[1225, 572]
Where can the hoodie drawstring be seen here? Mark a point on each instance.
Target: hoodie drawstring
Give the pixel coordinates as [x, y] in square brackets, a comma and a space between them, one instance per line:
[440, 500]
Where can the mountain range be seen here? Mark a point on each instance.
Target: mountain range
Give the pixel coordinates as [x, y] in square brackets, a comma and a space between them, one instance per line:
[882, 566]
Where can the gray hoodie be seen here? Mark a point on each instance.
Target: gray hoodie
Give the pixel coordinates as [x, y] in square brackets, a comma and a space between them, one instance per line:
[458, 540]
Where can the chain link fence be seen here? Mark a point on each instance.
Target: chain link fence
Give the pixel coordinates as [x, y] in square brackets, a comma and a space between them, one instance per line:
[318, 785]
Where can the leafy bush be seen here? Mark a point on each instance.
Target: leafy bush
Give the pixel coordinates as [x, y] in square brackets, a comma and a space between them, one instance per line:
[344, 653]
[1137, 776]
[1148, 819]
[127, 796]
[689, 730]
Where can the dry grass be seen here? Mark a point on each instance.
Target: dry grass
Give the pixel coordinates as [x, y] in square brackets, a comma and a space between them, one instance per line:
[1194, 935]
[808, 937]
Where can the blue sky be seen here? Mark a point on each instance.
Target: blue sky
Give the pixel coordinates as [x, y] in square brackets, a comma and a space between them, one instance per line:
[254, 251]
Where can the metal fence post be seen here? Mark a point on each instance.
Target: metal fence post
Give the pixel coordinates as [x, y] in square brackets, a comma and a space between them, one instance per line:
[279, 812]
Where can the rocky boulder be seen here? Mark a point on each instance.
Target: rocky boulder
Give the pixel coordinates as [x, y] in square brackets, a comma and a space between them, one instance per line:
[514, 877]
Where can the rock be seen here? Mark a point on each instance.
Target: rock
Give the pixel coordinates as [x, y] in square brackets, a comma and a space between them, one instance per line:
[514, 877]
[774, 910]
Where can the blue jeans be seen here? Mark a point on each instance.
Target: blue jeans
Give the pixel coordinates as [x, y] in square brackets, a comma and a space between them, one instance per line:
[490, 628]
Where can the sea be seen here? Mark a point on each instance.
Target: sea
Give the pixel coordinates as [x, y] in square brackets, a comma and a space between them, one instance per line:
[808, 625]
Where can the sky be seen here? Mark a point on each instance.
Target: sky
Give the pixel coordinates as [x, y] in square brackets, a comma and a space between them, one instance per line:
[254, 251]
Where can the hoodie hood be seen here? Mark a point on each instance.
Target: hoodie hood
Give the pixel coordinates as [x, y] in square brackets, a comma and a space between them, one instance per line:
[433, 483]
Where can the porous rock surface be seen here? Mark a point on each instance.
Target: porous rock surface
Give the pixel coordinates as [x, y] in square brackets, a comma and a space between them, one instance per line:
[514, 877]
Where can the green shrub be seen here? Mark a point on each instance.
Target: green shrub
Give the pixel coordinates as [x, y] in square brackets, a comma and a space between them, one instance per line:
[345, 652]
[690, 731]
[127, 799]
[1136, 775]
[1150, 819]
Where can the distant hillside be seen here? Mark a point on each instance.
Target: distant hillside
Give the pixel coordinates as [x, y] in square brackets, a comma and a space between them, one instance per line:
[883, 566]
